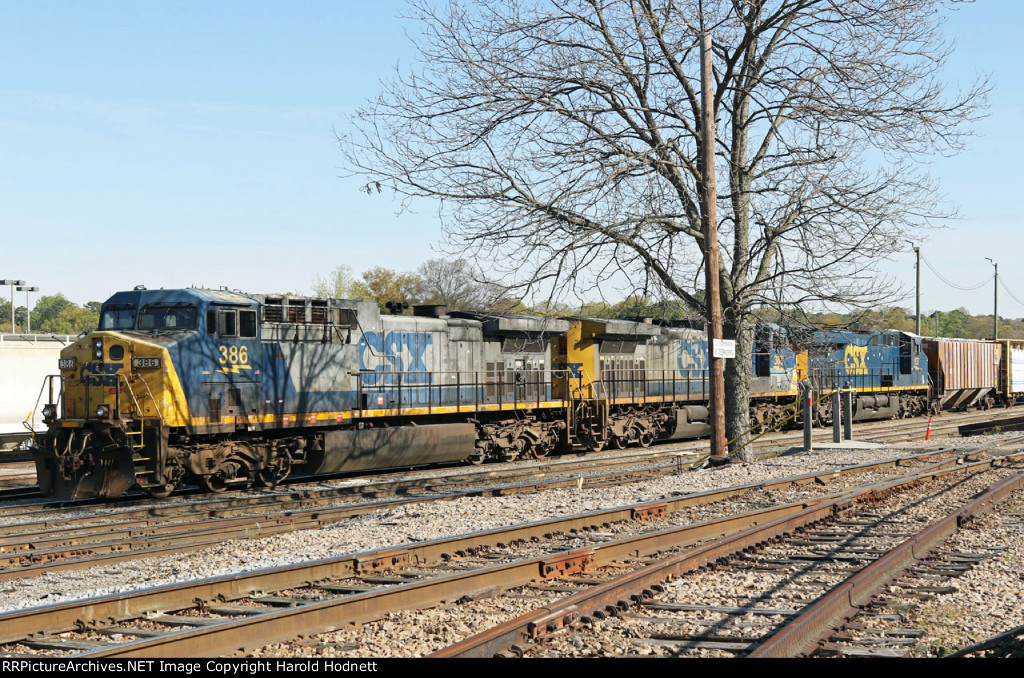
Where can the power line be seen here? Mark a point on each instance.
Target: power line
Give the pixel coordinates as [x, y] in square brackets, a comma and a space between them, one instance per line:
[964, 289]
[1012, 296]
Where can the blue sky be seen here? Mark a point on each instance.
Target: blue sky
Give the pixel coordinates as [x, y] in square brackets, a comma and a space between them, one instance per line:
[172, 144]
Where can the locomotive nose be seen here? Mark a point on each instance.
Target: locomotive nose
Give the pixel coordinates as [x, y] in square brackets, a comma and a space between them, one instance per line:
[95, 371]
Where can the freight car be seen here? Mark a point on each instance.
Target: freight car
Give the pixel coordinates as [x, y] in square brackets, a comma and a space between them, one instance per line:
[220, 389]
[1011, 371]
[25, 359]
[965, 372]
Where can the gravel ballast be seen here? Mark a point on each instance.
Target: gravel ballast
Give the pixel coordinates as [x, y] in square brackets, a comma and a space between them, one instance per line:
[419, 522]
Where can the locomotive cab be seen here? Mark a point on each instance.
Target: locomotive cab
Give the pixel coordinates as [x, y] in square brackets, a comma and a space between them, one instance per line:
[121, 392]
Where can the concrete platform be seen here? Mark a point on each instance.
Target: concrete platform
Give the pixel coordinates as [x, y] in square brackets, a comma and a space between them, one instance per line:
[843, 445]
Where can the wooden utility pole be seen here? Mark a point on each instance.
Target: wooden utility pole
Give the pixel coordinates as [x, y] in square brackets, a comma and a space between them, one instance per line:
[995, 301]
[709, 214]
[917, 325]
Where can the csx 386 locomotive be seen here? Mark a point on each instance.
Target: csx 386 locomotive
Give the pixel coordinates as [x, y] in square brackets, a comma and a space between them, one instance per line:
[220, 388]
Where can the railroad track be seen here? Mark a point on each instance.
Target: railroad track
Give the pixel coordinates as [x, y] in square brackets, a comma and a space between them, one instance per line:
[259, 607]
[37, 539]
[19, 486]
[45, 541]
[753, 595]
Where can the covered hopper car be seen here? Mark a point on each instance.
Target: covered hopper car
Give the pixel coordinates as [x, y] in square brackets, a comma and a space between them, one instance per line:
[25, 359]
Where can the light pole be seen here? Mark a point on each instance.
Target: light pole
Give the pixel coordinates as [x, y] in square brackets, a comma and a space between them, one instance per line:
[28, 309]
[12, 283]
[995, 301]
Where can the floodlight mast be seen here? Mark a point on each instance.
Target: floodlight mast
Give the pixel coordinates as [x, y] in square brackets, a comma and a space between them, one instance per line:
[13, 284]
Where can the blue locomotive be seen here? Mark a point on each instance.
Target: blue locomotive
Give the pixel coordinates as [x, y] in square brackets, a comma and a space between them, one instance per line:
[888, 370]
[223, 389]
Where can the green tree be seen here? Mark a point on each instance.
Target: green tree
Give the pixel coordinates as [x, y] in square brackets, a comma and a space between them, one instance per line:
[72, 320]
[47, 310]
[387, 285]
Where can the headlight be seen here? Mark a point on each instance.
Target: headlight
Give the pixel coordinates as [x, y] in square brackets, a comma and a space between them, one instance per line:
[102, 411]
[97, 349]
[47, 412]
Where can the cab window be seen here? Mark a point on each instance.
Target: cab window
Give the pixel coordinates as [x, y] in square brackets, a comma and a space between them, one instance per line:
[231, 323]
[247, 324]
[167, 318]
[226, 324]
[117, 319]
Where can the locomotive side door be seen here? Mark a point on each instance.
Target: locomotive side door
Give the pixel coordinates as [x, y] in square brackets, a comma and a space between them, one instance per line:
[233, 385]
[906, 355]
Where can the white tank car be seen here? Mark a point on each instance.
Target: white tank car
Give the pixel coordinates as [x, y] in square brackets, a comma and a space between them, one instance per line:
[25, 360]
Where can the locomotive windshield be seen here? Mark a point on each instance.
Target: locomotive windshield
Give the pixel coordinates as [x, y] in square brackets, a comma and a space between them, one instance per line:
[168, 318]
[117, 319]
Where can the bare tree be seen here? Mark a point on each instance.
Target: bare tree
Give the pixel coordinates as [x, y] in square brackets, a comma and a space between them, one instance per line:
[563, 137]
[454, 283]
[340, 284]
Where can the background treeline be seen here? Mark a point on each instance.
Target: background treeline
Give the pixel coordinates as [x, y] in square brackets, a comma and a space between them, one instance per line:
[959, 323]
[52, 314]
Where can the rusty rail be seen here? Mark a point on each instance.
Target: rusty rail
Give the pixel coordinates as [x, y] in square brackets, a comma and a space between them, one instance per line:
[804, 631]
[26, 555]
[620, 593]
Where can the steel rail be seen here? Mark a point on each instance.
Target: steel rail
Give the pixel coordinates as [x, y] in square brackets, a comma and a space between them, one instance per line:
[672, 448]
[82, 614]
[146, 539]
[618, 594]
[801, 635]
[219, 505]
[236, 635]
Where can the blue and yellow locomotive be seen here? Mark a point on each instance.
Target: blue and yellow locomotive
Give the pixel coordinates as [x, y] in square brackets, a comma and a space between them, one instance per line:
[222, 389]
[888, 370]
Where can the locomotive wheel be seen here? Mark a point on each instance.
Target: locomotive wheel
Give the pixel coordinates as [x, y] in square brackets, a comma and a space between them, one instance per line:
[646, 438]
[619, 442]
[228, 472]
[513, 451]
[159, 491]
[539, 450]
[215, 482]
[277, 471]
